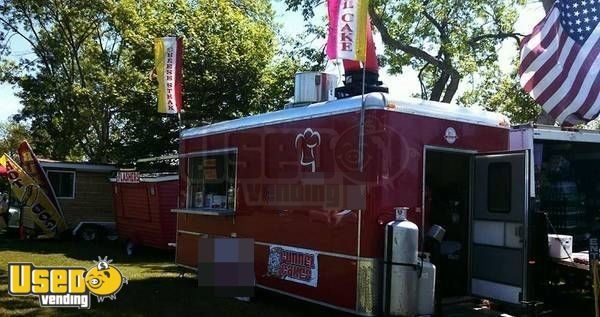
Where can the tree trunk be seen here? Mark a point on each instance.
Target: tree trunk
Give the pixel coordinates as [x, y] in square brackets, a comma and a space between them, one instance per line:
[438, 88]
[451, 89]
[547, 4]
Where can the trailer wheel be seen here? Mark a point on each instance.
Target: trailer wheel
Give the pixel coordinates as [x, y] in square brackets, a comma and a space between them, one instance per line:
[111, 236]
[88, 233]
[130, 247]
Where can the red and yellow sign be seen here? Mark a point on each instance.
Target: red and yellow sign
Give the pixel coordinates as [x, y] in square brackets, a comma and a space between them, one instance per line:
[33, 168]
[36, 203]
[348, 28]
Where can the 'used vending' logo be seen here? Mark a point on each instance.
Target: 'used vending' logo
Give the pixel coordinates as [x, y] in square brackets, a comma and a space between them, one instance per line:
[65, 286]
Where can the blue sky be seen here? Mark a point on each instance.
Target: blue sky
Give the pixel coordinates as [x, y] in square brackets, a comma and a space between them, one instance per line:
[292, 24]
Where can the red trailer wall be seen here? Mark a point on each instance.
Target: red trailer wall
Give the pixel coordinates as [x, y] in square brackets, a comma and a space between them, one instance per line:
[143, 212]
[395, 148]
[267, 160]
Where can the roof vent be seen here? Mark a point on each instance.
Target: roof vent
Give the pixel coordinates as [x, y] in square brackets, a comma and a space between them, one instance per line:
[311, 87]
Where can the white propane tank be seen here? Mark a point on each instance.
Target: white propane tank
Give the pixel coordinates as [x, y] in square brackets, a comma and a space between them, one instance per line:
[401, 275]
[425, 302]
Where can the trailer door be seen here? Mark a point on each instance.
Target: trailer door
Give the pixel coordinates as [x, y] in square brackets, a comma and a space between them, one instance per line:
[498, 226]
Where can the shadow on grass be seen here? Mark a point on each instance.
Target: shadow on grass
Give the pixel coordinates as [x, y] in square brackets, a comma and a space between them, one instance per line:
[17, 305]
[180, 296]
[154, 288]
[168, 297]
[156, 268]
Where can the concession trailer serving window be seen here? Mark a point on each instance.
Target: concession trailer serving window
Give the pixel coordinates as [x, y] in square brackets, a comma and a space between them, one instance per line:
[211, 181]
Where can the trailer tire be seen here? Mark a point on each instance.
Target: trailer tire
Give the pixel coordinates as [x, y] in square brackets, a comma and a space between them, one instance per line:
[111, 237]
[130, 247]
[88, 233]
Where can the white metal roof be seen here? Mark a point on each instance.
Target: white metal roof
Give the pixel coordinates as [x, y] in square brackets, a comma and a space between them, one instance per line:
[158, 159]
[152, 179]
[553, 133]
[373, 101]
[561, 135]
[84, 167]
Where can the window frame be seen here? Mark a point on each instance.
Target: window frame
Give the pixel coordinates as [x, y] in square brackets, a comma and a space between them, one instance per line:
[189, 157]
[62, 172]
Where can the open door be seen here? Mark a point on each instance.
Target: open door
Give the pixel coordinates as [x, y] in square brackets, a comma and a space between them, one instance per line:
[498, 268]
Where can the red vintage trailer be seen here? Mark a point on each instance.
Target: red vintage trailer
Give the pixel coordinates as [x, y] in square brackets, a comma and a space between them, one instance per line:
[290, 180]
[143, 209]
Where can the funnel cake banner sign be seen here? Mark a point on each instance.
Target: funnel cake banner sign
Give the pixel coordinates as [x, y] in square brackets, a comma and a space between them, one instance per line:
[294, 264]
[348, 21]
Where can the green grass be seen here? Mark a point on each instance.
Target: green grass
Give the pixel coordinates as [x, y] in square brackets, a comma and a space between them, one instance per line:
[155, 287]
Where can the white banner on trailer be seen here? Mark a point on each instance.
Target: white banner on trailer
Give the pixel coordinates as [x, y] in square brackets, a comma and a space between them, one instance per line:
[294, 264]
[128, 177]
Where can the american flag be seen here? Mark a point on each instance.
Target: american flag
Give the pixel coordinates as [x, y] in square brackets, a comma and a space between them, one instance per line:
[560, 61]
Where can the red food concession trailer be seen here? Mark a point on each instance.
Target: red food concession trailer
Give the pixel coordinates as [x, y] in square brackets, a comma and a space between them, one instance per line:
[291, 181]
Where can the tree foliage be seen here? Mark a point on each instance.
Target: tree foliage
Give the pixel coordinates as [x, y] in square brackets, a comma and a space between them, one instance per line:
[11, 135]
[86, 89]
[308, 47]
[502, 93]
[444, 40]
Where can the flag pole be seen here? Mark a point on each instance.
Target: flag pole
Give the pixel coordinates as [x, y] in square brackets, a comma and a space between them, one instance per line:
[361, 132]
[180, 120]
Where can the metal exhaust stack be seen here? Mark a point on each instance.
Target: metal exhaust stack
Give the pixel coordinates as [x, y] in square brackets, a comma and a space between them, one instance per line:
[353, 83]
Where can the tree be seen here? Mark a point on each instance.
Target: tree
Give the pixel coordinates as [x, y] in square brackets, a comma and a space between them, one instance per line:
[86, 89]
[502, 93]
[11, 136]
[308, 47]
[444, 40]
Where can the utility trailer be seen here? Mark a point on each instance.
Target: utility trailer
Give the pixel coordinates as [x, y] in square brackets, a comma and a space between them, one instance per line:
[142, 205]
